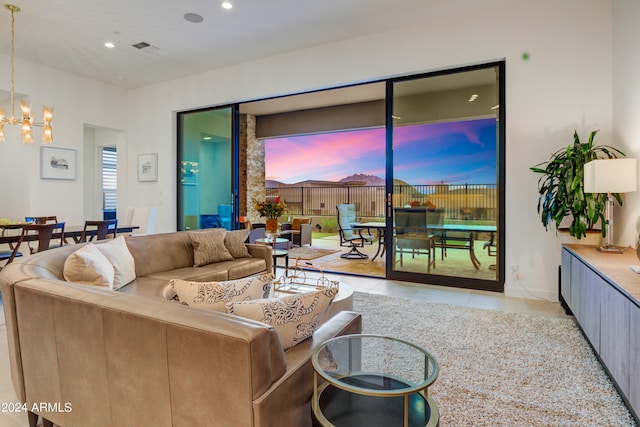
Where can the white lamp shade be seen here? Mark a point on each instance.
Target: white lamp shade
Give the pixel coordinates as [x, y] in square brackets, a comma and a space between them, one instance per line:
[610, 176]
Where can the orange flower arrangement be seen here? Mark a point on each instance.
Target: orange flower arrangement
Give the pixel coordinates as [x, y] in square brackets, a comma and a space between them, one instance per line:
[270, 210]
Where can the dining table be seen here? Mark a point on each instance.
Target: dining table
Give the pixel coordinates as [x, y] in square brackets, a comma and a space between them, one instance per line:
[380, 230]
[72, 231]
[445, 231]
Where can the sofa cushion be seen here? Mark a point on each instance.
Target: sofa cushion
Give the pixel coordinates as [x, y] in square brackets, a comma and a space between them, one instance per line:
[234, 242]
[89, 266]
[208, 247]
[117, 252]
[160, 252]
[215, 295]
[294, 317]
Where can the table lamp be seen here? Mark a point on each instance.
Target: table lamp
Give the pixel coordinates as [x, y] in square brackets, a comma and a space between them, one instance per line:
[610, 176]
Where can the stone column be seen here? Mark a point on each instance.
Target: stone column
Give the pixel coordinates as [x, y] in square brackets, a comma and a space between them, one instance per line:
[252, 182]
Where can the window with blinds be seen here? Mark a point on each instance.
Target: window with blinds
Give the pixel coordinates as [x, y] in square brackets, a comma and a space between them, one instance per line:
[109, 178]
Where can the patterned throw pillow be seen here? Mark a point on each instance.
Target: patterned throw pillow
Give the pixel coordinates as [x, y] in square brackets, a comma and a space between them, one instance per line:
[208, 246]
[234, 242]
[215, 295]
[294, 317]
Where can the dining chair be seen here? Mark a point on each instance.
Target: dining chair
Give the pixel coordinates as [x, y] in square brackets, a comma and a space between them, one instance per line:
[143, 218]
[6, 254]
[53, 219]
[44, 233]
[103, 229]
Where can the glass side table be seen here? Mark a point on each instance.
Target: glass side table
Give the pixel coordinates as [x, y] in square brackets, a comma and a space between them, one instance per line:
[277, 253]
[373, 380]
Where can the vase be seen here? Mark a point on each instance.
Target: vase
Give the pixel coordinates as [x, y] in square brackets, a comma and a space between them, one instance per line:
[271, 226]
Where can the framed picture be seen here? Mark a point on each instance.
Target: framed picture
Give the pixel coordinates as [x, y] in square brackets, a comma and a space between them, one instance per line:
[57, 163]
[148, 167]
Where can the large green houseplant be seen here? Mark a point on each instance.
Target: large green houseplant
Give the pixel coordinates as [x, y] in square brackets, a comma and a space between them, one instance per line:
[561, 187]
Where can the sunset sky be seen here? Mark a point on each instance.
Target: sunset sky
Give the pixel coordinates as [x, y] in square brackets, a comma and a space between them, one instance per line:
[453, 153]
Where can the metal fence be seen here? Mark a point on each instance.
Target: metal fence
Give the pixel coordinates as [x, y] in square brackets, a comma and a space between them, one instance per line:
[466, 201]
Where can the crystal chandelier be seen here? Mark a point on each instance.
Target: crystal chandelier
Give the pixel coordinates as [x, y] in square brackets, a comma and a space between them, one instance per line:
[26, 121]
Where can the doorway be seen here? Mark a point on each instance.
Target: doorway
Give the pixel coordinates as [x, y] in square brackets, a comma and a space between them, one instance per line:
[445, 177]
[206, 169]
[100, 172]
[444, 168]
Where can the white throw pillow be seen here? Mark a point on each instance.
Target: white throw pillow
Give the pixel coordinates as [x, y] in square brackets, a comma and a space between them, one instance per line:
[117, 252]
[215, 295]
[87, 265]
[295, 318]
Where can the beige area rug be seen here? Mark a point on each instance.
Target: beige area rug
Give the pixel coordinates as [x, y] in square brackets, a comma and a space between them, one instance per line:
[309, 252]
[501, 369]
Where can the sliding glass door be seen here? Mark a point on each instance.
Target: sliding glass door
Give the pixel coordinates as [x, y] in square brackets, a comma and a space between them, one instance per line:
[445, 179]
[206, 159]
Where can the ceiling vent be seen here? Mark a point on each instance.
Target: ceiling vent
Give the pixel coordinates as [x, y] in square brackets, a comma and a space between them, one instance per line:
[141, 45]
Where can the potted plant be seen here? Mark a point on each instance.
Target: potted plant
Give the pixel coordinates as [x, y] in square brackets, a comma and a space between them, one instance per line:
[561, 187]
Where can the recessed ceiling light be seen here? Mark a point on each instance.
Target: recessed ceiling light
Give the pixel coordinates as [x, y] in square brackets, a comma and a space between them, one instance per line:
[193, 17]
[473, 97]
[109, 45]
[226, 5]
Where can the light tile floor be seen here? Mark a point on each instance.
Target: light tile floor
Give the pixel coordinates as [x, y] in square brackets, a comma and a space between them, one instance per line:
[438, 294]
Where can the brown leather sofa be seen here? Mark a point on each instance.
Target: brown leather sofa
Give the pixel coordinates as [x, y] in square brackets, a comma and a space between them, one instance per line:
[89, 356]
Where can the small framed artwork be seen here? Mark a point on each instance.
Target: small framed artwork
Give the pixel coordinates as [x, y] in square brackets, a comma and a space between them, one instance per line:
[148, 167]
[57, 163]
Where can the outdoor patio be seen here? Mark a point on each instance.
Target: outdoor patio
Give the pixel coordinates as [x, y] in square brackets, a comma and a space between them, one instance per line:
[325, 252]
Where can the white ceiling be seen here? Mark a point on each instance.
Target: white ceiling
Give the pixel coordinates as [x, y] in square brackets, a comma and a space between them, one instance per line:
[69, 35]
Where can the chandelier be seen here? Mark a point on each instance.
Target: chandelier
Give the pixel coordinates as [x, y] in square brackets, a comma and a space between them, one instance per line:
[26, 121]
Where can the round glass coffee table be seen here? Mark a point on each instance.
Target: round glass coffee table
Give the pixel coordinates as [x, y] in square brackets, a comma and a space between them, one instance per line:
[373, 380]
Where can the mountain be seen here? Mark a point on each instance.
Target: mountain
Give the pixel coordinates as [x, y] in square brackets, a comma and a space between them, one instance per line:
[369, 179]
[270, 183]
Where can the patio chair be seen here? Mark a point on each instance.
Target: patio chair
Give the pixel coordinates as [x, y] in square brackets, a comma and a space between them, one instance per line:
[299, 232]
[256, 233]
[412, 234]
[350, 235]
[491, 248]
[353, 222]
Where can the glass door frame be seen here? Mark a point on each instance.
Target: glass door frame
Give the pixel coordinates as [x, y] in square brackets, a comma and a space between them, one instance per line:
[235, 159]
[463, 282]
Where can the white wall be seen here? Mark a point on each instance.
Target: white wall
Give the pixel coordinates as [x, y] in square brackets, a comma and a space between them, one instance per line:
[77, 101]
[626, 106]
[565, 85]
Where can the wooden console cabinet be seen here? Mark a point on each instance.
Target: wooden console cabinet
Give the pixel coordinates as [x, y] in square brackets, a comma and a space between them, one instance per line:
[604, 296]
